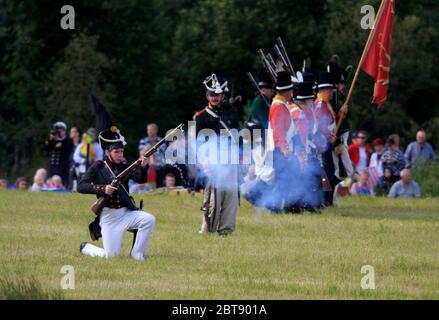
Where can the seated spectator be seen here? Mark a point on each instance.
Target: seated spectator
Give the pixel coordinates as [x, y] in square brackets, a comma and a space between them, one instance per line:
[56, 184]
[41, 173]
[3, 184]
[362, 187]
[359, 152]
[21, 184]
[137, 188]
[83, 160]
[38, 184]
[376, 157]
[39, 180]
[169, 180]
[386, 182]
[393, 157]
[419, 149]
[406, 187]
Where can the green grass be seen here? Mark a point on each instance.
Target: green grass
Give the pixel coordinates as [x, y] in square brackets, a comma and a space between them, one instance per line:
[307, 256]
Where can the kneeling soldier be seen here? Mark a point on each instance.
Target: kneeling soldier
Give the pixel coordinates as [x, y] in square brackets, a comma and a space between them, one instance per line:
[120, 213]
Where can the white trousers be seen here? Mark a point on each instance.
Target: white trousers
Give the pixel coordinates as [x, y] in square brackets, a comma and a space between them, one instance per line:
[114, 223]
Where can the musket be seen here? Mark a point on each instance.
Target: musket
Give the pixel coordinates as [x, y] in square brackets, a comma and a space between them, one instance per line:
[271, 60]
[284, 61]
[255, 84]
[285, 54]
[117, 181]
[267, 66]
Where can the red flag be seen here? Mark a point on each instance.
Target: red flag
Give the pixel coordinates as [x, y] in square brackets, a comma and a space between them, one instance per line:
[376, 62]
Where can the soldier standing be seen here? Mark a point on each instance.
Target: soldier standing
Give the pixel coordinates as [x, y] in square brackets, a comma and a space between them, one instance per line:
[221, 192]
[282, 130]
[342, 162]
[326, 122]
[259, 108]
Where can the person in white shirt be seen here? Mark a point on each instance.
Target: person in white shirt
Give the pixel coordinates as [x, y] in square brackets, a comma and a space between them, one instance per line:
[95, 152]
[376, 157]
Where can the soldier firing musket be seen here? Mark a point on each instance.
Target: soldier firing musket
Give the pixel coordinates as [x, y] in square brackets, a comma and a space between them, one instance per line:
[117, 212]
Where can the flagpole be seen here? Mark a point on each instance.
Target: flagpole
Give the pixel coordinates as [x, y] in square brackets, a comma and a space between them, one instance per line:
[365, 50]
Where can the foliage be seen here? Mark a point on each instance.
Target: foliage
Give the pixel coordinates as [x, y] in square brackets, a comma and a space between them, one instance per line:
[426, 174]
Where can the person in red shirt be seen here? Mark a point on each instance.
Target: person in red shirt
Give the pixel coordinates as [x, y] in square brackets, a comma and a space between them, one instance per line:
[360, 152]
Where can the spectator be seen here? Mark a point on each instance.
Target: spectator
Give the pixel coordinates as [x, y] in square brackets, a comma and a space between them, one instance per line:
[170, 180]
[393, 157]
[75, 135]
[41, 173]
[419, 149]
[3, 184]
[56, 184]
[396, 139]
[87, 152]
[60, 146]
[362, 187]
[359, 152]
[21, 184]
[139, 188]
[386, 182]
[155, 170]
[39, 180]
[376, 157]
[406, 187]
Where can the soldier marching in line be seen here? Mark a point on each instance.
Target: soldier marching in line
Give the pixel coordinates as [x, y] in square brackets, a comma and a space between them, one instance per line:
[286, 191]
[306, 145]
[327, 122]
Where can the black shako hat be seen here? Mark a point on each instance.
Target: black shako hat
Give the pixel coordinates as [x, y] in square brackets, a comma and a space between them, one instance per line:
[284, 81]
[325, 80]
[215, 85]
[338, 74]
[304, 91]
[111, 139]
[264, 79]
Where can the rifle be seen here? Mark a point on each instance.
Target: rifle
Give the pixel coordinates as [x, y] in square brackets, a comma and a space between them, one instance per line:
[282, 58]
[268, 66]
[284, 53]
[117, 181]
[255, 84]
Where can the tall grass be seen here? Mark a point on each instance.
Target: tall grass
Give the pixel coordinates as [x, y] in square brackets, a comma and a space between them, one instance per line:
[27, 289]
[426, 174]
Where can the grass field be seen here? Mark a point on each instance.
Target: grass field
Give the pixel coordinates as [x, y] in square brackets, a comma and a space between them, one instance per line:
[307, 256]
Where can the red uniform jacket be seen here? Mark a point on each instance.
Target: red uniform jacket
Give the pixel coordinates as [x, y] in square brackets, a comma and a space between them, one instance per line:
[280, 122]
[325, 117]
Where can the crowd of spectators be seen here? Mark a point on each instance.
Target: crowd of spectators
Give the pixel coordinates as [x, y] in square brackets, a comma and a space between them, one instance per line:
[384, 169]
[380, 168]
[71, 155]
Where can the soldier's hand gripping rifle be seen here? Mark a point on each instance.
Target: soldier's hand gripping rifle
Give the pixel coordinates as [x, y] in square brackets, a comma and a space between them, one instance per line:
[117, 181]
